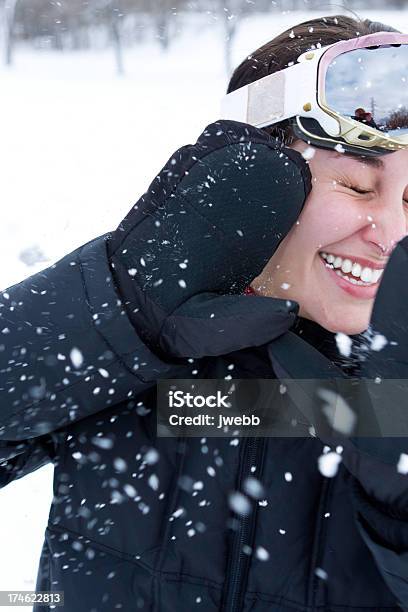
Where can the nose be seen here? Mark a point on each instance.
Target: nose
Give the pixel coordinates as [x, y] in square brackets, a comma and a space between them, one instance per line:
[388, 224]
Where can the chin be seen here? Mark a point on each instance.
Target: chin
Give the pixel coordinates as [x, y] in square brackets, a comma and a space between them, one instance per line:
[350, 330]
[350, 327]
[350, 321]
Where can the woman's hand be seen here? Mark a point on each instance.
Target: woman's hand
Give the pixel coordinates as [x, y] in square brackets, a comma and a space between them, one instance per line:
[206, 227]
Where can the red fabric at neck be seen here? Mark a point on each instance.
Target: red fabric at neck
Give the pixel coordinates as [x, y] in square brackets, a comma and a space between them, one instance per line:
[249, 291]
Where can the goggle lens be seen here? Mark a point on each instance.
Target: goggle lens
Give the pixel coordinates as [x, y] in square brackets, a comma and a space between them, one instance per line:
[370, 85]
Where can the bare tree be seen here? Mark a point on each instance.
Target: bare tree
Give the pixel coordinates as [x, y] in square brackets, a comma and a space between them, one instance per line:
[398, 119]
[109, 13]
[231, 12]
[9, 18]
[61, 24]
[160, 10]
[114, 20]
[162, 13]
[75, 24]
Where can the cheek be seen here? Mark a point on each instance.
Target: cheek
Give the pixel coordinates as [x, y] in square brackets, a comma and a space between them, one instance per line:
[327, 218]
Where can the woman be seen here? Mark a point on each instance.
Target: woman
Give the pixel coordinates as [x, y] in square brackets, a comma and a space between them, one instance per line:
[140, 522]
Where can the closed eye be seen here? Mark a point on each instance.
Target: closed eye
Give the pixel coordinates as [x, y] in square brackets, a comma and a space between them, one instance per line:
[365, 191]
[356, 189]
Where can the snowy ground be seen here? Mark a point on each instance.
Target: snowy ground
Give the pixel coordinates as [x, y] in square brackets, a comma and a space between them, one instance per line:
[79, 146]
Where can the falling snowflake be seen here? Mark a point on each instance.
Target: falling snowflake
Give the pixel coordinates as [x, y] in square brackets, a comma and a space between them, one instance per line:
[120, 464]
[130, 490]
[328, 464]
[102, 442]
[320, 573]
[337, 411]
[179, 512]
[76, 357]
[308, 153]
[378, 342]
[402, 466]
[253, 487]
[239, 503]
[261, 553]
[344, 344]
[151, 456]
[32, 255]
[153, 482]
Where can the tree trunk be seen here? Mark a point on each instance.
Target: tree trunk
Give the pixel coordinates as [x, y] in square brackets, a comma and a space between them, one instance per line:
[230, 29]
[9, 19]
[162, 27]
[117, 45]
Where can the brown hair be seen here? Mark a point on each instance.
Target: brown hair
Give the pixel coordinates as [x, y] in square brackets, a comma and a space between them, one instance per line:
[283, 50]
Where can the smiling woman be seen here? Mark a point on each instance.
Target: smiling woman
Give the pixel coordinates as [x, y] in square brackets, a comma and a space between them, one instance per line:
[332, 260]
[335, 264]
[297, 519]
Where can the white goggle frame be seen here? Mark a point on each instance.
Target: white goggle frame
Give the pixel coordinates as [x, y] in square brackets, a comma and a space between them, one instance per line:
[299, 91]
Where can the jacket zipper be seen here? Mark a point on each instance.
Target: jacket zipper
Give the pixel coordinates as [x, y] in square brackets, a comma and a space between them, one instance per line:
[240, 560]
[320, 529]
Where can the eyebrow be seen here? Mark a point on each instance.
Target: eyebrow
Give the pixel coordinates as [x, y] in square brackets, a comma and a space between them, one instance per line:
[374, 162]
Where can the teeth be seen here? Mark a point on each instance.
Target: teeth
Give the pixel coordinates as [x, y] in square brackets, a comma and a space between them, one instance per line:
[356, 270]
[377, 275]
[350, 279]
[346, 265]
[365, 275]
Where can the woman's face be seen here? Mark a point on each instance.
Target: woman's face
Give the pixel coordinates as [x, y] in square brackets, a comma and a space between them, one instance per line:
[352, 219]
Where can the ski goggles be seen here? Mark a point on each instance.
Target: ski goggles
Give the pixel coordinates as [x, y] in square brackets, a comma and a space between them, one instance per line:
[351, 94]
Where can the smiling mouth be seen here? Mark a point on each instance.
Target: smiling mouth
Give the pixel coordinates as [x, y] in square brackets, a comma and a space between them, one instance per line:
[352, 271]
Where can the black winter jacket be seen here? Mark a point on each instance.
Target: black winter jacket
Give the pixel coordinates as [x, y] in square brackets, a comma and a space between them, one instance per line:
[143, 523]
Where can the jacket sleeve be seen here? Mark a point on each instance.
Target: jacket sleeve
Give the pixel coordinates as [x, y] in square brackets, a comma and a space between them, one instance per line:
[384, 529]
[20, 458]
[67, 348]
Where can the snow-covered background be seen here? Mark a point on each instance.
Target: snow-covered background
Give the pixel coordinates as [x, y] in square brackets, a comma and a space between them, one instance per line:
[78, 146]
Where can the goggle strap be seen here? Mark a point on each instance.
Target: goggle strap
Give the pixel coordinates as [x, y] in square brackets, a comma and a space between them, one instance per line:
[273, 98]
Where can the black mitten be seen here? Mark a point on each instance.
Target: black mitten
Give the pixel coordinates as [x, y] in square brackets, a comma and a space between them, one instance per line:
[206, 227]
